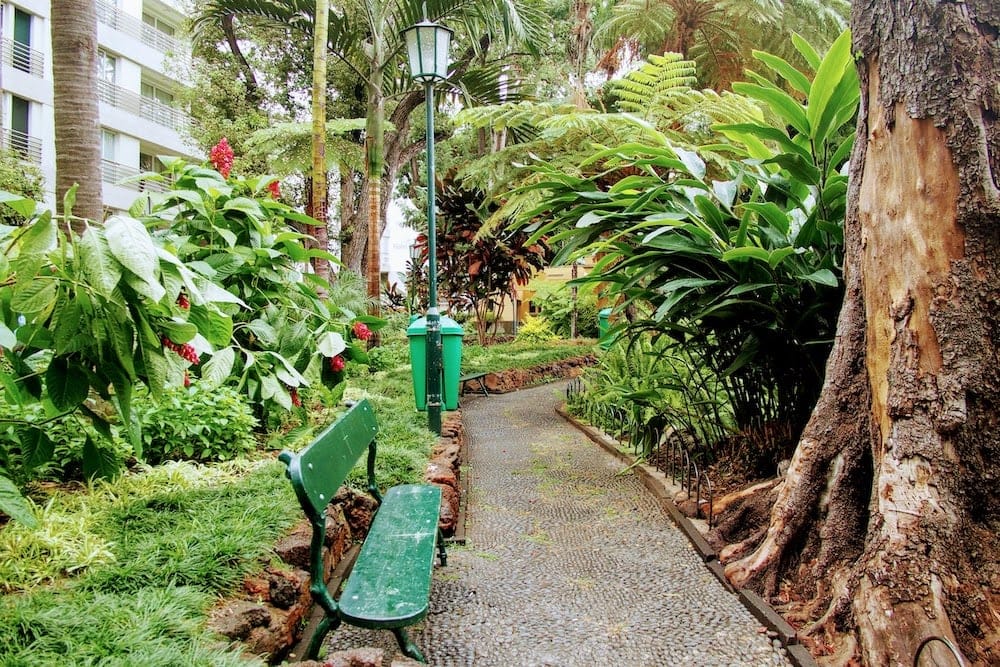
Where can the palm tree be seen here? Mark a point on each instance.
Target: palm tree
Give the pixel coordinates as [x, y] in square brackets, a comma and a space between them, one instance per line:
[367, 38]
[317, 204]
[77, 128]
[714, 33]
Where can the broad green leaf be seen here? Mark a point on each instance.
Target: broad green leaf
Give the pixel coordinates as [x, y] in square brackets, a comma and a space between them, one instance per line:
[772, 213]
[23, 206]
[14, 505]
[822, 277]
[157, 371]
[781, 103]
[66, 384]
[99, 266]
[828, 77]
[244, 204]
[215, 327]
[807, 51]
[270, 387]
[212, 293]
[39, 236]
[217, 370]
[133, 247]
[179, 331]
[778, 256]
[264, 331]
[36, 447]
[153, 291]
[330, 344]
[744, 253]
[99, 462]
[726, 191]
[740, 130]
[794, 77]
[37, 296]
[692, 161]
[7, 337]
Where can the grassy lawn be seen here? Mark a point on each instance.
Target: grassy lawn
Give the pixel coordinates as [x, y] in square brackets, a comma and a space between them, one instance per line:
[124, 572]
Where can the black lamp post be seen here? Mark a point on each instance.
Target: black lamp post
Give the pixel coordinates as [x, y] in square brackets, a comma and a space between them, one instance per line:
[427, 46]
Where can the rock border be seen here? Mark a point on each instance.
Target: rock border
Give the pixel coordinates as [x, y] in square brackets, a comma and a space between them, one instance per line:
[664, 491]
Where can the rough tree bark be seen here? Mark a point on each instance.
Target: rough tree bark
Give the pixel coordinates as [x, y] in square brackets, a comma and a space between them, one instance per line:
[77, 129]
[885, 529]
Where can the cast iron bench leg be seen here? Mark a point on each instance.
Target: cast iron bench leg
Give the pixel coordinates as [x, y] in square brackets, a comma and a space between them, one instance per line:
[441, 552]
[406, 646]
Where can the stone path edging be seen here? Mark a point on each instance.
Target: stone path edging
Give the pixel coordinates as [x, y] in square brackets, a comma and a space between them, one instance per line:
[658, 484]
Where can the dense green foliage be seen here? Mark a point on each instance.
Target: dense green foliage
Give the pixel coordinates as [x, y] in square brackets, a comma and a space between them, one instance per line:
[478, 272]
[743, 268]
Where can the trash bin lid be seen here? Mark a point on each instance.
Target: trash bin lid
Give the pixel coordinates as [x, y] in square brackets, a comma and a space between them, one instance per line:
[448, 326]
[418, 327]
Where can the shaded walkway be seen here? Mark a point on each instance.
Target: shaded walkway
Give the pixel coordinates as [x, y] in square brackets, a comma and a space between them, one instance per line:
[569, 562]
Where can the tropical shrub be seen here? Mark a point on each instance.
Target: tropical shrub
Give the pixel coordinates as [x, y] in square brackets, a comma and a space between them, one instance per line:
[190, 423]
[744, 271]
[284, 328]
[478, 272]
[535, 330]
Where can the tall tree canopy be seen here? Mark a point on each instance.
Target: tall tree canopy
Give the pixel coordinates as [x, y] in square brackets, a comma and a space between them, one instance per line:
[887, 519]
[367, 38]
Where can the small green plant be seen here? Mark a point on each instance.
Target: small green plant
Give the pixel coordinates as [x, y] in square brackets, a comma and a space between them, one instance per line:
[535, 330]
[189, 423]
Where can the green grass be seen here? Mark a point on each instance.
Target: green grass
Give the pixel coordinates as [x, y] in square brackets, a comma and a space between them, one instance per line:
[171, 541]
[522, 355]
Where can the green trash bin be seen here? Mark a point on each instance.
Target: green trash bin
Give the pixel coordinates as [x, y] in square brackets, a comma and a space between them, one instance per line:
[451, 360]
[603, 317]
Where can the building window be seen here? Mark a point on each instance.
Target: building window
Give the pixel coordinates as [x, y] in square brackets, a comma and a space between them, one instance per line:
[22, 41]
[159, 24]
[109, 145]
[150, 91]
[107, 66]
[20, 117]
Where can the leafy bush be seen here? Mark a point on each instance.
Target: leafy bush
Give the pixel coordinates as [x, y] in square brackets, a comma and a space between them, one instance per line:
[557, 308]
[195, 424]
[744, 269]
[535, 330]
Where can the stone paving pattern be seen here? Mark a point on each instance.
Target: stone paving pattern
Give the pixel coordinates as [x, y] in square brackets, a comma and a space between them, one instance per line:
[569, 561]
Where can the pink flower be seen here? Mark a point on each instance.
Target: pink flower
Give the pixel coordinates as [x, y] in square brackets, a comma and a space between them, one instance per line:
[274, 187]
[361, 331]
[337, 364]
[221, 157]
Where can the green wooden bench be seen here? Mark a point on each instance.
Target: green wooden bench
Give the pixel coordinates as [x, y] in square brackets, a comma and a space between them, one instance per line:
[389, 586]
[473, 377]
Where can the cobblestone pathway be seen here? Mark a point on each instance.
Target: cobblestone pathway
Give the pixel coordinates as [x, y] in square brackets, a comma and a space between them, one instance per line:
[569, 562]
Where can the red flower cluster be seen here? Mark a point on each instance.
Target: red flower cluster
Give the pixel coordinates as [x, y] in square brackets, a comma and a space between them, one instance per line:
[182, 301]
[294, 393]
[185, 351]
[221, 157]
[337, 363]
[361, 331]
[274, 187]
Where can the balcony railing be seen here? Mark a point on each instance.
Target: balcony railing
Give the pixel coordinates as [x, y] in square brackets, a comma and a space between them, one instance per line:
[115, 173]
[27, 147]
[149, 108]
[23, 57]
[111, 16]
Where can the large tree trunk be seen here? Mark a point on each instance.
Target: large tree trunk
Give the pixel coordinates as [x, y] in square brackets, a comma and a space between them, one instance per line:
[77, 128]
[886, 523]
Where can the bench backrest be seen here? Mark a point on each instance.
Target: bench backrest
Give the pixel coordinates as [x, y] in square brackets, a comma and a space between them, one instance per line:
[318, 471]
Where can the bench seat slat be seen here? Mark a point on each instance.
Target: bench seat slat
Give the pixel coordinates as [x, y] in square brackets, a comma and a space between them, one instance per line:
[389, 586]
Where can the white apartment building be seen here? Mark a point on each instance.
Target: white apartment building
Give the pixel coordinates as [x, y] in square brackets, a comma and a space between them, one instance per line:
[142, 52]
